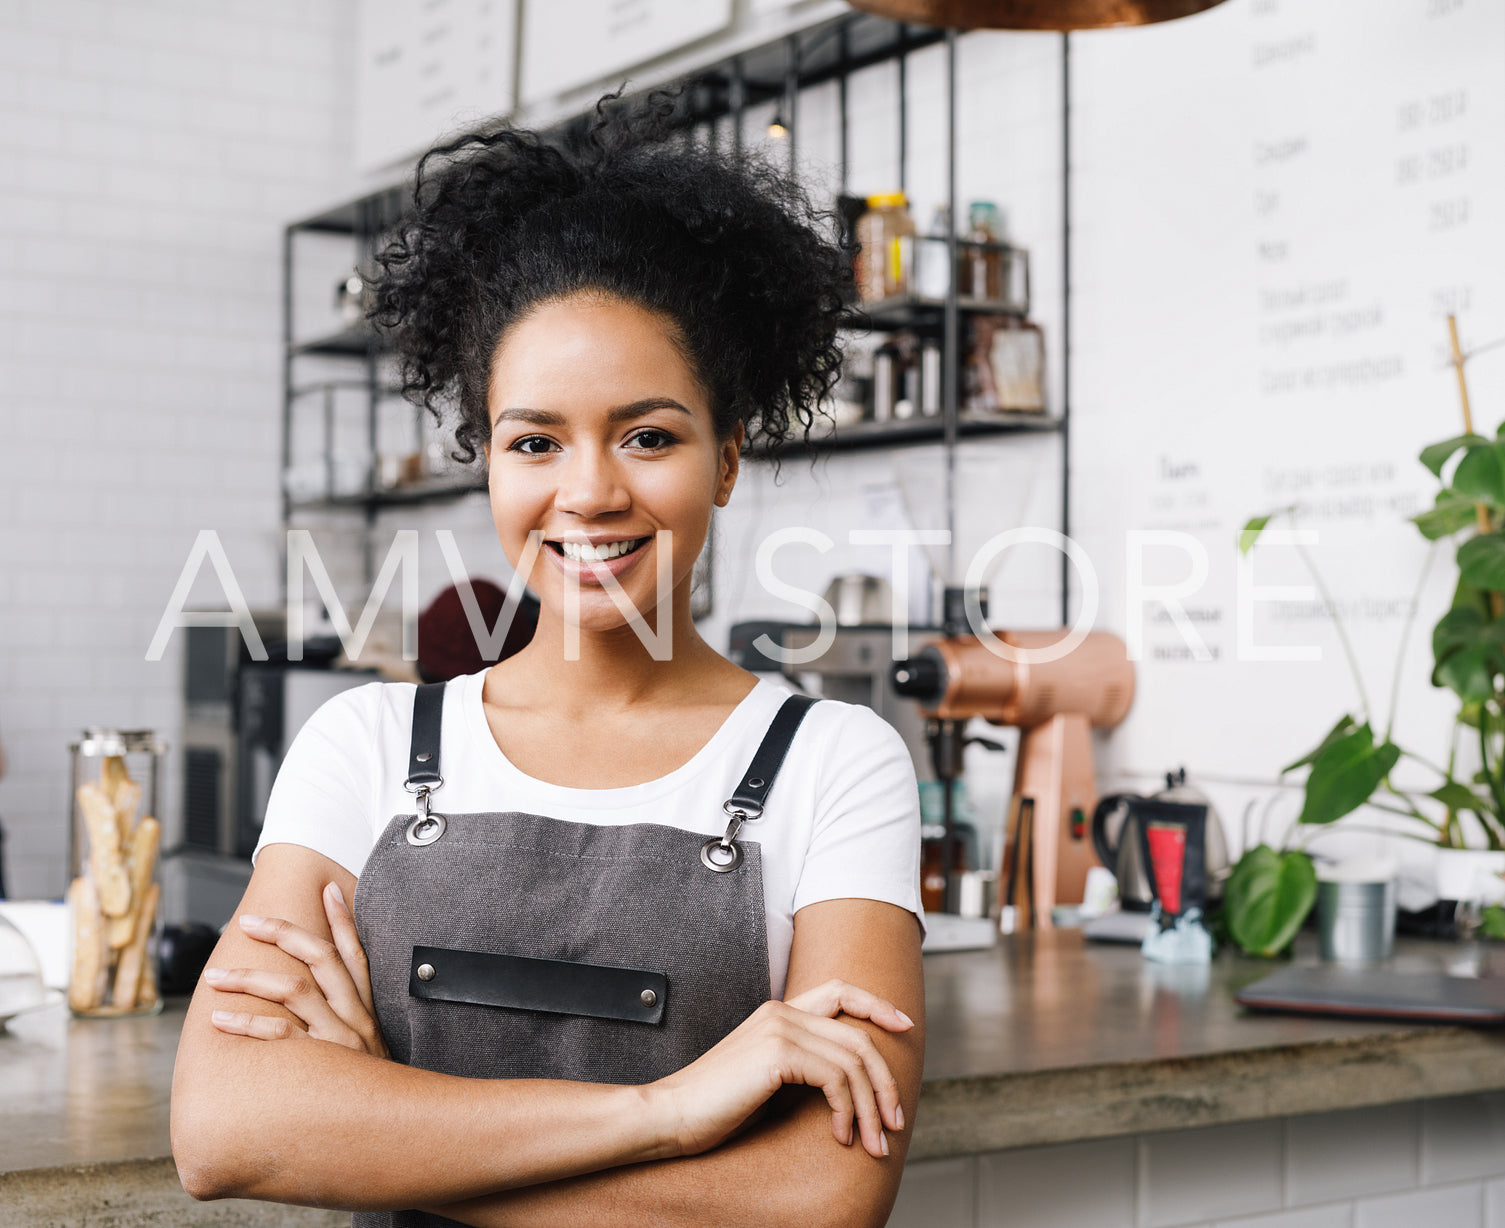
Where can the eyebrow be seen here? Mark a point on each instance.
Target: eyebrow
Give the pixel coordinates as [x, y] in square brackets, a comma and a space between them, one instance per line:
[620, 413]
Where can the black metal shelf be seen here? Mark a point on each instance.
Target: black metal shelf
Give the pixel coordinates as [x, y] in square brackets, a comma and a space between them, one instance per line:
[920, 313]
[397, 496]
[901, 432]
[324, 387]
[354, 217]
[352, 341]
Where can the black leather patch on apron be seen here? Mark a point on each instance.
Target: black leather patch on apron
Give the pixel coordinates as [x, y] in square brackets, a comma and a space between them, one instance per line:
[554, 985]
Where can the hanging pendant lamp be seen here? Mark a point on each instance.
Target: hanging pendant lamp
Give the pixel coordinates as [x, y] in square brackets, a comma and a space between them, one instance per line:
[1033, 14]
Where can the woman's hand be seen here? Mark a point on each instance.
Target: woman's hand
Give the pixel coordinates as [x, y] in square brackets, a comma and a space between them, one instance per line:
[334, 1001]
[799, 1041]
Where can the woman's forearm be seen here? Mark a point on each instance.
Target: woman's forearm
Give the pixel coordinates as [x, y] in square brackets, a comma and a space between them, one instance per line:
[314, 1123]
[787, 1170]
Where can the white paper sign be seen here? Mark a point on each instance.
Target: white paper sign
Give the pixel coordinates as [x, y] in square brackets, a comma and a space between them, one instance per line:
[427, 70]
[566, 45]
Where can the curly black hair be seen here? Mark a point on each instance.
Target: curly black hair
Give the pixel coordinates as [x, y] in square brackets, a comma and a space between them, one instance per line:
[727, 248]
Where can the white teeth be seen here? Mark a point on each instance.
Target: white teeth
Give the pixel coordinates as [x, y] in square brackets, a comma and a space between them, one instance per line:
[583, 552]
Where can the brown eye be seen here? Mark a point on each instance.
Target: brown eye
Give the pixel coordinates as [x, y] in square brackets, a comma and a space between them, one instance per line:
[531, 445]
[652, 439]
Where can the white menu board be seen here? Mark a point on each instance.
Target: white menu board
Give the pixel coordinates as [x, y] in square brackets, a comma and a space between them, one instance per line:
[566, 45]
[1268, 239]
[427, 70]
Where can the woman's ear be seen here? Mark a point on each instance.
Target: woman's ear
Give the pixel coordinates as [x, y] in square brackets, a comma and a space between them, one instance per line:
[731, 458]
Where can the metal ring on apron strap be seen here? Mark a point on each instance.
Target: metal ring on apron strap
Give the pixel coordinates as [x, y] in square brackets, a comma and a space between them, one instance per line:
[426, 826]
[725, 855]
[746, 802]
[722, 858]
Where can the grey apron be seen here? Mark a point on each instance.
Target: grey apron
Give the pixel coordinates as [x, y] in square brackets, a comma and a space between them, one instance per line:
[505, 945]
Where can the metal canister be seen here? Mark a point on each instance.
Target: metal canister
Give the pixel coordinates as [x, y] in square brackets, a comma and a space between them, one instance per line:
[885, 383]
[1356, 921]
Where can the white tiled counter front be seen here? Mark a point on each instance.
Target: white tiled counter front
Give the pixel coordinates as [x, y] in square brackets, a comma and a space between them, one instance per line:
[1161, 1104]
[1421, 1164]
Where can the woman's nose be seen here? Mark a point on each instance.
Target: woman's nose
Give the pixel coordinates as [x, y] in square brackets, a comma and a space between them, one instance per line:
[590, 485]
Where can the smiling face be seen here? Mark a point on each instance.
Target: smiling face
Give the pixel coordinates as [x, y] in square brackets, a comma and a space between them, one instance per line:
[601, 439]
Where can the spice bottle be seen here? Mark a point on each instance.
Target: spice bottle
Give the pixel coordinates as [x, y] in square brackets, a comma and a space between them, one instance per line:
[981, 258]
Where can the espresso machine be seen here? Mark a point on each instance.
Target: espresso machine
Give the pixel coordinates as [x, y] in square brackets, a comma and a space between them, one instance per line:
[854, 668]
[1055, 703]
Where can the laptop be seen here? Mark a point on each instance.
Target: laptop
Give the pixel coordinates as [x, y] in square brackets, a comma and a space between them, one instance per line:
[1378, 992]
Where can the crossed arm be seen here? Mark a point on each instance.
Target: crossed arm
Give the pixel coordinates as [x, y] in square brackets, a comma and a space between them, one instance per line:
[329, 1124]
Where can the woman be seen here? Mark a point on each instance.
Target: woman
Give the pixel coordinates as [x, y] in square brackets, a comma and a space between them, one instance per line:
[641, 929]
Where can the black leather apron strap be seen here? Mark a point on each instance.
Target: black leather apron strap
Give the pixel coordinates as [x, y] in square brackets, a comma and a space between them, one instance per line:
[423, 755]
[723, 854]
[758, 779]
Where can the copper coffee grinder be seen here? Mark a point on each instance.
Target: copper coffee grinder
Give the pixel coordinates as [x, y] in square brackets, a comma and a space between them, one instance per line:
[1054, 704]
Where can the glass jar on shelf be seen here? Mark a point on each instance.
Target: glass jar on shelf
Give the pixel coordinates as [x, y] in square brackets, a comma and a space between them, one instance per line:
[1005, 367]
[114, 892]
[884, 248]
[931, 262]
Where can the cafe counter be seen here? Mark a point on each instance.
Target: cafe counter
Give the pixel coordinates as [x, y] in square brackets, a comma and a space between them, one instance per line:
[1044, 1055]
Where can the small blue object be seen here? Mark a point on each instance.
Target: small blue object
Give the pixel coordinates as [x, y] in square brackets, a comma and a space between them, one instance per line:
[1185, 942]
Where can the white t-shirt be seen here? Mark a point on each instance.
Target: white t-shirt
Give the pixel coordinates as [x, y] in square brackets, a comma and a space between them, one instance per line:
[841, 821]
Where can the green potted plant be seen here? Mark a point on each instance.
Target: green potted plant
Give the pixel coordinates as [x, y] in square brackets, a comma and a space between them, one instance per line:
[1271, 890]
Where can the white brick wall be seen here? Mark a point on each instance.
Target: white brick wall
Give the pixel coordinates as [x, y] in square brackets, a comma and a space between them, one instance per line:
[150, 151]
[1435, 1163]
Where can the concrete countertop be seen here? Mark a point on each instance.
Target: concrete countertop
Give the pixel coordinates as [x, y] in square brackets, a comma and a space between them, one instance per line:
[1043, 1039]
[1048, 1039]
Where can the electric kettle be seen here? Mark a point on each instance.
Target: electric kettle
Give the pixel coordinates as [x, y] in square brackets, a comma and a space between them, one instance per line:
[1115, 834]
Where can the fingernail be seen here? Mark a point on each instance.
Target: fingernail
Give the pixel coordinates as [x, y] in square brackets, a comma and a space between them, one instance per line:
[249, 920]
[883, 1141]
[220, 1016]
[899, 1115]
[904, 1017]
[339, 896]
[214, 974]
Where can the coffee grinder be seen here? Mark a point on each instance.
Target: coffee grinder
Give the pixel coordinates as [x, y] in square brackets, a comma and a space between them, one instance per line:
[1053, 703]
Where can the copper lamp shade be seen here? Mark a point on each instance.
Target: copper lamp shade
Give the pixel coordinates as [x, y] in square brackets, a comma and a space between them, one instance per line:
[1033, 14]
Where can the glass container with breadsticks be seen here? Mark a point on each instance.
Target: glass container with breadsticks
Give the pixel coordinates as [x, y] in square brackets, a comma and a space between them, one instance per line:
[115, 894]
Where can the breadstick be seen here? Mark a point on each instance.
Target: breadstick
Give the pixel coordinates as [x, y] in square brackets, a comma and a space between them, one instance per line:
[133, 958]
[105, 863]
[112, 774]
[88, 946]
[143, 860]
[127, 803]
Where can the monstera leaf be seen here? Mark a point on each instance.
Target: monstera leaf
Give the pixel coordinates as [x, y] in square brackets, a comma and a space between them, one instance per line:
[1451, 513]
[1480, 475]
[1333, 734]
[1345, 774]
[1266, 899]
[1469, 651]
[1436, 455]
[1481, 560]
